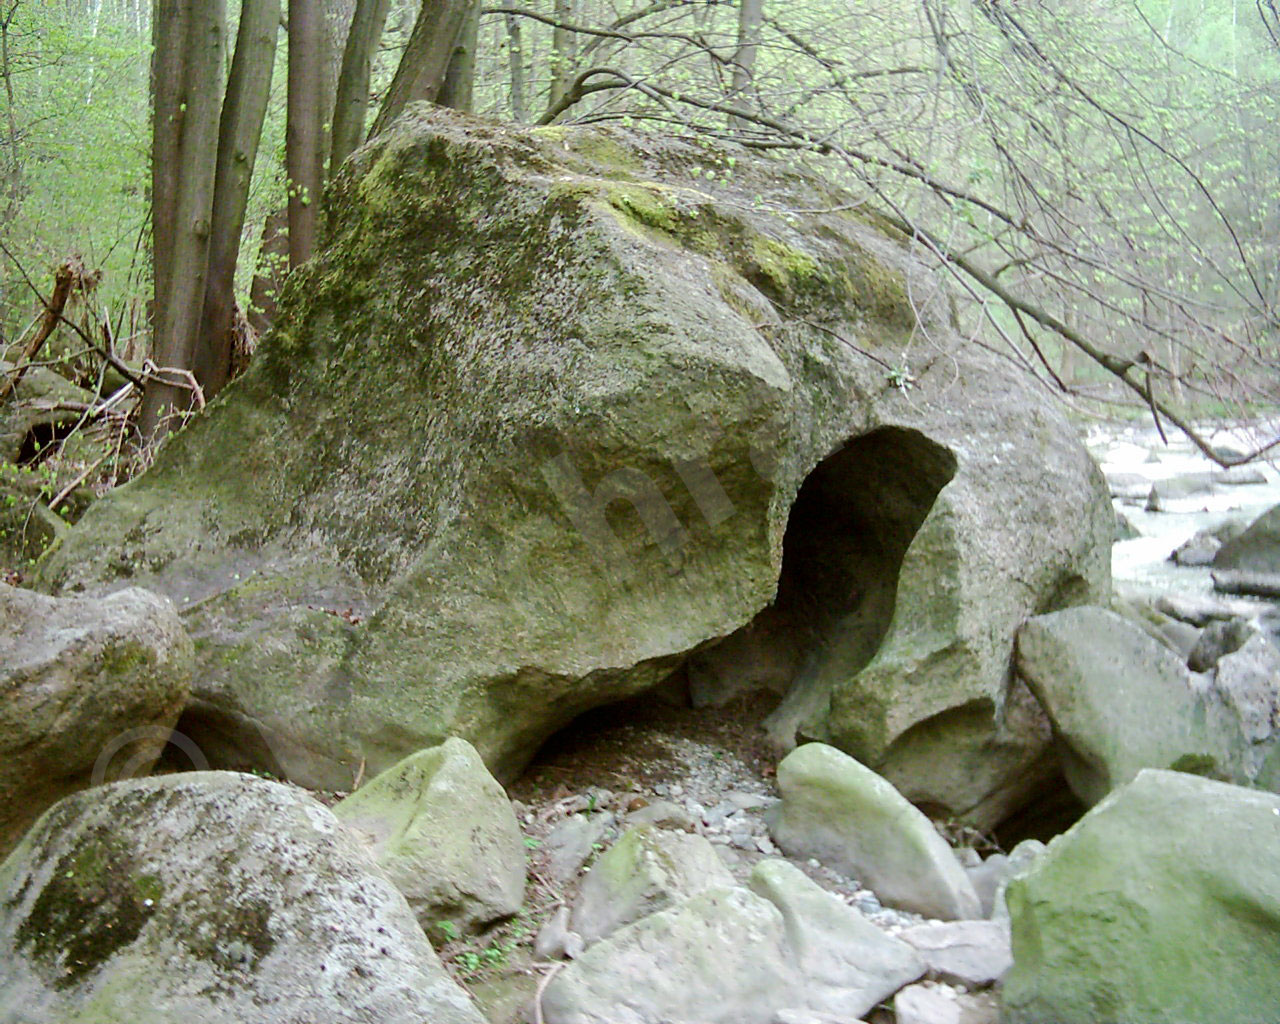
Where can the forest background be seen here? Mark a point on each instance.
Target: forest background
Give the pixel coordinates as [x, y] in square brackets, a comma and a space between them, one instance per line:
[1101, 178]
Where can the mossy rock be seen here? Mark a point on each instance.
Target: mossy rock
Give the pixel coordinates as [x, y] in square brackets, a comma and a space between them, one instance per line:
[530, 429]
[208, 896]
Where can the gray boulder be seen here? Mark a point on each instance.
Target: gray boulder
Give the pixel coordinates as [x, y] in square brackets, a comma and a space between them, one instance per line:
[209, 898]
[1257, 549]
[851, 819]
[1219, 638]
[847, 963]
[972, 953]
[1161, 905]
[571, 844]
[91, 690]
[1197, 550]
[717, 958]
[937, 1004]
[646, 870]
[584, 412]
[1195, 610]
[443, 830]
[1120, 702]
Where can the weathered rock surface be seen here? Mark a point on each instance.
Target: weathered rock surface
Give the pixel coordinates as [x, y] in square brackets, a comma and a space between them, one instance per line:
[848, 817]
[935, 1004]
[443, 830]
[573, 394]
[848, 964]
[1121, 702]
[89, 690]
[1257, 549]
[208, 898]
[1161, 905]
[717, 958]
[973, 953]
[647, 870]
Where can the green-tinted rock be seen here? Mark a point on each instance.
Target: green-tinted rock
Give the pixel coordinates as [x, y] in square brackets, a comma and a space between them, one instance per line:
[1160, 906]
[443, 830]
[847, 816]
[529, 433]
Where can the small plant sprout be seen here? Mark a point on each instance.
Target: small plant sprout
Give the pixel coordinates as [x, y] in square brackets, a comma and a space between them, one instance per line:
[900, 377]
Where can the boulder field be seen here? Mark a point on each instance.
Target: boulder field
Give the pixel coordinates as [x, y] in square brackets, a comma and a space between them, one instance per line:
[557, 416]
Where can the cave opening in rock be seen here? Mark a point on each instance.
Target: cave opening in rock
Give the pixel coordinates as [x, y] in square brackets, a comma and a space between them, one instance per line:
[848, 531]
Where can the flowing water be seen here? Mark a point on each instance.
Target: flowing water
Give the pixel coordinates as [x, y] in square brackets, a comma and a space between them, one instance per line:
[1142, 565]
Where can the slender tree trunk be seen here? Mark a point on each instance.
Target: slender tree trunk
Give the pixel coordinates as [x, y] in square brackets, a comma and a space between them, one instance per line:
[750, 19]
[563, 56]
[426, 59]
[351, 103]
[515, 49]
[269, 274]
[243, 111]
[190, 50]
[304, 158]
[458, 90]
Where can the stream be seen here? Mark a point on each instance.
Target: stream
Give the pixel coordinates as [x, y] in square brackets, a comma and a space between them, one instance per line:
[1134, 454]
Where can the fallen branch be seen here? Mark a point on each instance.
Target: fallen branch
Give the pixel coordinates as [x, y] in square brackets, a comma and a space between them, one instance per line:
[64, 278]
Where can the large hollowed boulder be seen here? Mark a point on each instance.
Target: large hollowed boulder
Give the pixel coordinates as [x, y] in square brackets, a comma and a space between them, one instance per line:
[531, 432]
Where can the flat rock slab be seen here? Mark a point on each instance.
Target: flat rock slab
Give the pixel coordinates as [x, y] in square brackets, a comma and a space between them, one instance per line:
[851, 819]
[973, 953]
[209, 898]
[717, 958]
[1161, 905]
[848, 964]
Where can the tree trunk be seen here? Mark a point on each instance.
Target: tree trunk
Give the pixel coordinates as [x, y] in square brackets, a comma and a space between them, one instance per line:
[426, 59]
[458, 90]
[243, 111]
[304, 156]
[189, 53]
[750, 18]
[270, 272]
[351, 103]
[515, 50]
[562, 54]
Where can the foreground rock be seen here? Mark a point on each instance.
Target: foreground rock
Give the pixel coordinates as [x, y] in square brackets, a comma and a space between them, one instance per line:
[91, 689]
[209, 898]
[1161, 905]
[1120, 701]
[444, 832]
[852, 820]
[532, 430]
